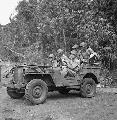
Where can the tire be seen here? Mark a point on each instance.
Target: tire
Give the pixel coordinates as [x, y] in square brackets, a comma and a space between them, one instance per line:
[88, 88]
[14, 94]
[36, 91]
[63, 91]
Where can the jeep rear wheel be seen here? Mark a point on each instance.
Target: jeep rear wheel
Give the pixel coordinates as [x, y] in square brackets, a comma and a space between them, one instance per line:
[88, 88]
[36, 91]
[13, 93]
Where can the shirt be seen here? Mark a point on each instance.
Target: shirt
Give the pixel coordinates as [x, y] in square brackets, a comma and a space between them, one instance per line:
[65, 59]
[83, 55]
[93, 54]
[74, 63]
[55, 63]
[89, 50]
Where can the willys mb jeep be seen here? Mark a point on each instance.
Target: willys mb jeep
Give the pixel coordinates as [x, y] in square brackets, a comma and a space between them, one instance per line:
[34, 82]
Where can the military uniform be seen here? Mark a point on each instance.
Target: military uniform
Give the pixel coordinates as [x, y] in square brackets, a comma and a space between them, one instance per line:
[74, 61]
[64, 62]
[84, 55]
[93, 58]
[61, 60]
[53, 61]
[76, 50]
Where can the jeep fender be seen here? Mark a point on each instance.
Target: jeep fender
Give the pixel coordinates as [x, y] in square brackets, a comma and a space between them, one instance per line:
[47, 78]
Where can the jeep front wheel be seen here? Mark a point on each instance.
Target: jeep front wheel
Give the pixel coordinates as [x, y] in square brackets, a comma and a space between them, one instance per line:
[36, 91]
[13, 93]
[88, 88]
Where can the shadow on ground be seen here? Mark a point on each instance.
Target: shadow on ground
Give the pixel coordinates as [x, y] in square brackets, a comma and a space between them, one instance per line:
[57, 95]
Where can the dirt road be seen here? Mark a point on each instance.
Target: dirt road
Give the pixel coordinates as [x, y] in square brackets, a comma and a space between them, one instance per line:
[61, 107]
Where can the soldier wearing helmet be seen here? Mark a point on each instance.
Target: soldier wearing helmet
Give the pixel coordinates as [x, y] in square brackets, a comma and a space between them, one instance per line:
[63, 62]
[83, 52]
[51, 56]
[53, 61]
[73, 54]
[93, 56]
[59, 51]
[63, 59]
[83, 44]
[76, 49]
[74, 61]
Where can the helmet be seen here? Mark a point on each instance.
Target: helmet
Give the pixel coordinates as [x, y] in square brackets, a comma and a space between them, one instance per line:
[107, 48]
[83, 44]
[73, 52]
[71, 56]
[59, 51]
[51, 56]
[75, 46]
[89, 50]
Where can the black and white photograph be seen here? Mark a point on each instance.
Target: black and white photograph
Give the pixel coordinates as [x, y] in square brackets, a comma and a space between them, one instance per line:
[58, 59]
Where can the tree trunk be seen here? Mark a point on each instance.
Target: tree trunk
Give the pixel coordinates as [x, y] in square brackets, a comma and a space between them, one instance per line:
[64, 39]
[56, 43]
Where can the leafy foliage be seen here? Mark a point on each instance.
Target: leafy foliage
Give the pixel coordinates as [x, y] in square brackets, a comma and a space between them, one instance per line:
[42, 26]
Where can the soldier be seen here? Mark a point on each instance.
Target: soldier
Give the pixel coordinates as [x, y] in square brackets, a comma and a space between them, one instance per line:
[63, 59]
[75, 47]
[83, 53]
[63, 62]
[73, 52]
[74, 61]
[51, 56]
[53, 61]
[94, 57]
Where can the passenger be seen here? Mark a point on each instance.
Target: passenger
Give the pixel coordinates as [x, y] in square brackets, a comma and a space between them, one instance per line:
[75, 47]
[90, 50]
[53, 61]
[63, 62]
[74, 61]
[83, 53]
[93, 56]
[63, 59]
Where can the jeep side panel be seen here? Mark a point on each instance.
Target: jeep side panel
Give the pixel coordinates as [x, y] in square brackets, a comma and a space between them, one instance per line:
[93, 72]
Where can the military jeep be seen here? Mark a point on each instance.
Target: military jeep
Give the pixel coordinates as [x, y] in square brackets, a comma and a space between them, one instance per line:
[34, 82]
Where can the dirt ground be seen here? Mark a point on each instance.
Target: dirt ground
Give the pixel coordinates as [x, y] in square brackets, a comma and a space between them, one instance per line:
[61, 107]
